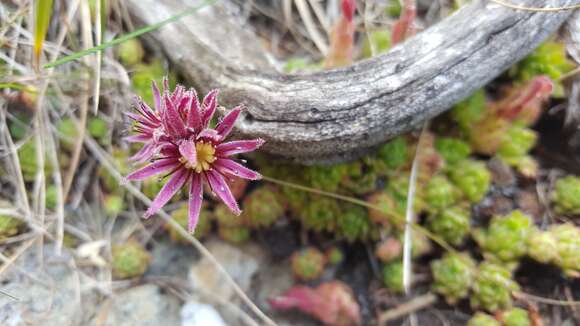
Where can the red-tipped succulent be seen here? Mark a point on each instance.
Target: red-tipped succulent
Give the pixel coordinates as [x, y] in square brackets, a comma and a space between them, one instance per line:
[332, 303]
[178, 141]
[405, 25]
[342, 38]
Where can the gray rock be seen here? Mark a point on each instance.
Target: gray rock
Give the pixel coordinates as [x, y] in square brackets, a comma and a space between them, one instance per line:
[200, 314]
[49, 296]
[241, 262]
[144, 305]
[170, 259]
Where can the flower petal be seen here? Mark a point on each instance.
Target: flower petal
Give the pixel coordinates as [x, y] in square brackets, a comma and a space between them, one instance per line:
[238, 146]
[194, 114]
[233, 168]
[169, 190]
[138, 138]
[153, 169]
[187, 150]
[172, 120]
[141, 120]
[220, 187]
[195, 200]
[177, 94]
[209, 106]
[169, 149]
[209, 134]
[225, 126]
[144, 153]
[156, 96]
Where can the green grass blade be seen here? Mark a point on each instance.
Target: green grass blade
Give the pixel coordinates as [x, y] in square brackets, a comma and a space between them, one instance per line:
[42, 13]
[128, 36]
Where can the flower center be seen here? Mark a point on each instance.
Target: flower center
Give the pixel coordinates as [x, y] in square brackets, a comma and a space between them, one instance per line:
[205, 156]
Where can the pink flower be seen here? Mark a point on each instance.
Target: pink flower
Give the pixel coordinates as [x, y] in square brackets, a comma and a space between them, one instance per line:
[178, 141]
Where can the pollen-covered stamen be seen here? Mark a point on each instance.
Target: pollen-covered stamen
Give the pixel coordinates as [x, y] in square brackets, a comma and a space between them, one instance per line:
[205, 156]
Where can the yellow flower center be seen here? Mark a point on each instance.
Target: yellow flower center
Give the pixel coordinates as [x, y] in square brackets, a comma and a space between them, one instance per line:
[205, 156]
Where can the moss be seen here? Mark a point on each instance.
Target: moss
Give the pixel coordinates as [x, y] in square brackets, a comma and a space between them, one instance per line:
[379, 40]
[452, 150]
[353, 223]
[129, 260]
[514, 147]
[19, 125]
[470, 110]
[483, 319]
[548, 59]
[566, 195]
[325, 177]
[308, 264]
[451, 224]
[492, 288]
[130, 52]
[334, 255]
[440, 193]
[98, 129]
[473, 178]
[262, 207]
[506, 238]
[394, 8]
[70, 241]
[226, 218]
[298, 65]
[320, 214]
[391, 211]
[395, 154]
[51, 197]
[518, 141]
[151, 187]
[68, 132]
[181, 216]
[114, 204]
[361, 178]
[28, 162]
[393, 276]
[120, 160]
[568, 247]
[9, 226]
[542, 246]
[234, 234]
[145, 73]
[453, 276]
[516, 317]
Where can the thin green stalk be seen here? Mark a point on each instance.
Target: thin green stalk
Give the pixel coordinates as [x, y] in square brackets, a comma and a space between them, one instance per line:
[363, 203]
[128, 36]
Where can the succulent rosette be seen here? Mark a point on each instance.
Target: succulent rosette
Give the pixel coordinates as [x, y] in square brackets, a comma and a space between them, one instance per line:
[179, 142]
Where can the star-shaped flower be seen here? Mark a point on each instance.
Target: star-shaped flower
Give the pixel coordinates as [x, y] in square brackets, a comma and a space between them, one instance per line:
[178, 140]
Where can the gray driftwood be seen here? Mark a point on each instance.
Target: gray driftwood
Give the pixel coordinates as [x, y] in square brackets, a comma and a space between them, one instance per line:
[340, 114]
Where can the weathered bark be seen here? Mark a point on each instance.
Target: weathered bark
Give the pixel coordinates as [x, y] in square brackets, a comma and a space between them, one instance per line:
[340, 114]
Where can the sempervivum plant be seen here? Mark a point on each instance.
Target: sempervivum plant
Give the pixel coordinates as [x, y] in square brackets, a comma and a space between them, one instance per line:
[515, 317]
[453, 276]
[492, 288]
[568, 247]
[178, 140]
[483, 319]
[308, 264]
[566, 196]
[451, 224]
[506, 239]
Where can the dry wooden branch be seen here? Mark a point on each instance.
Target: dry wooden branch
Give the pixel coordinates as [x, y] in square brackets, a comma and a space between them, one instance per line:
[340, 114]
